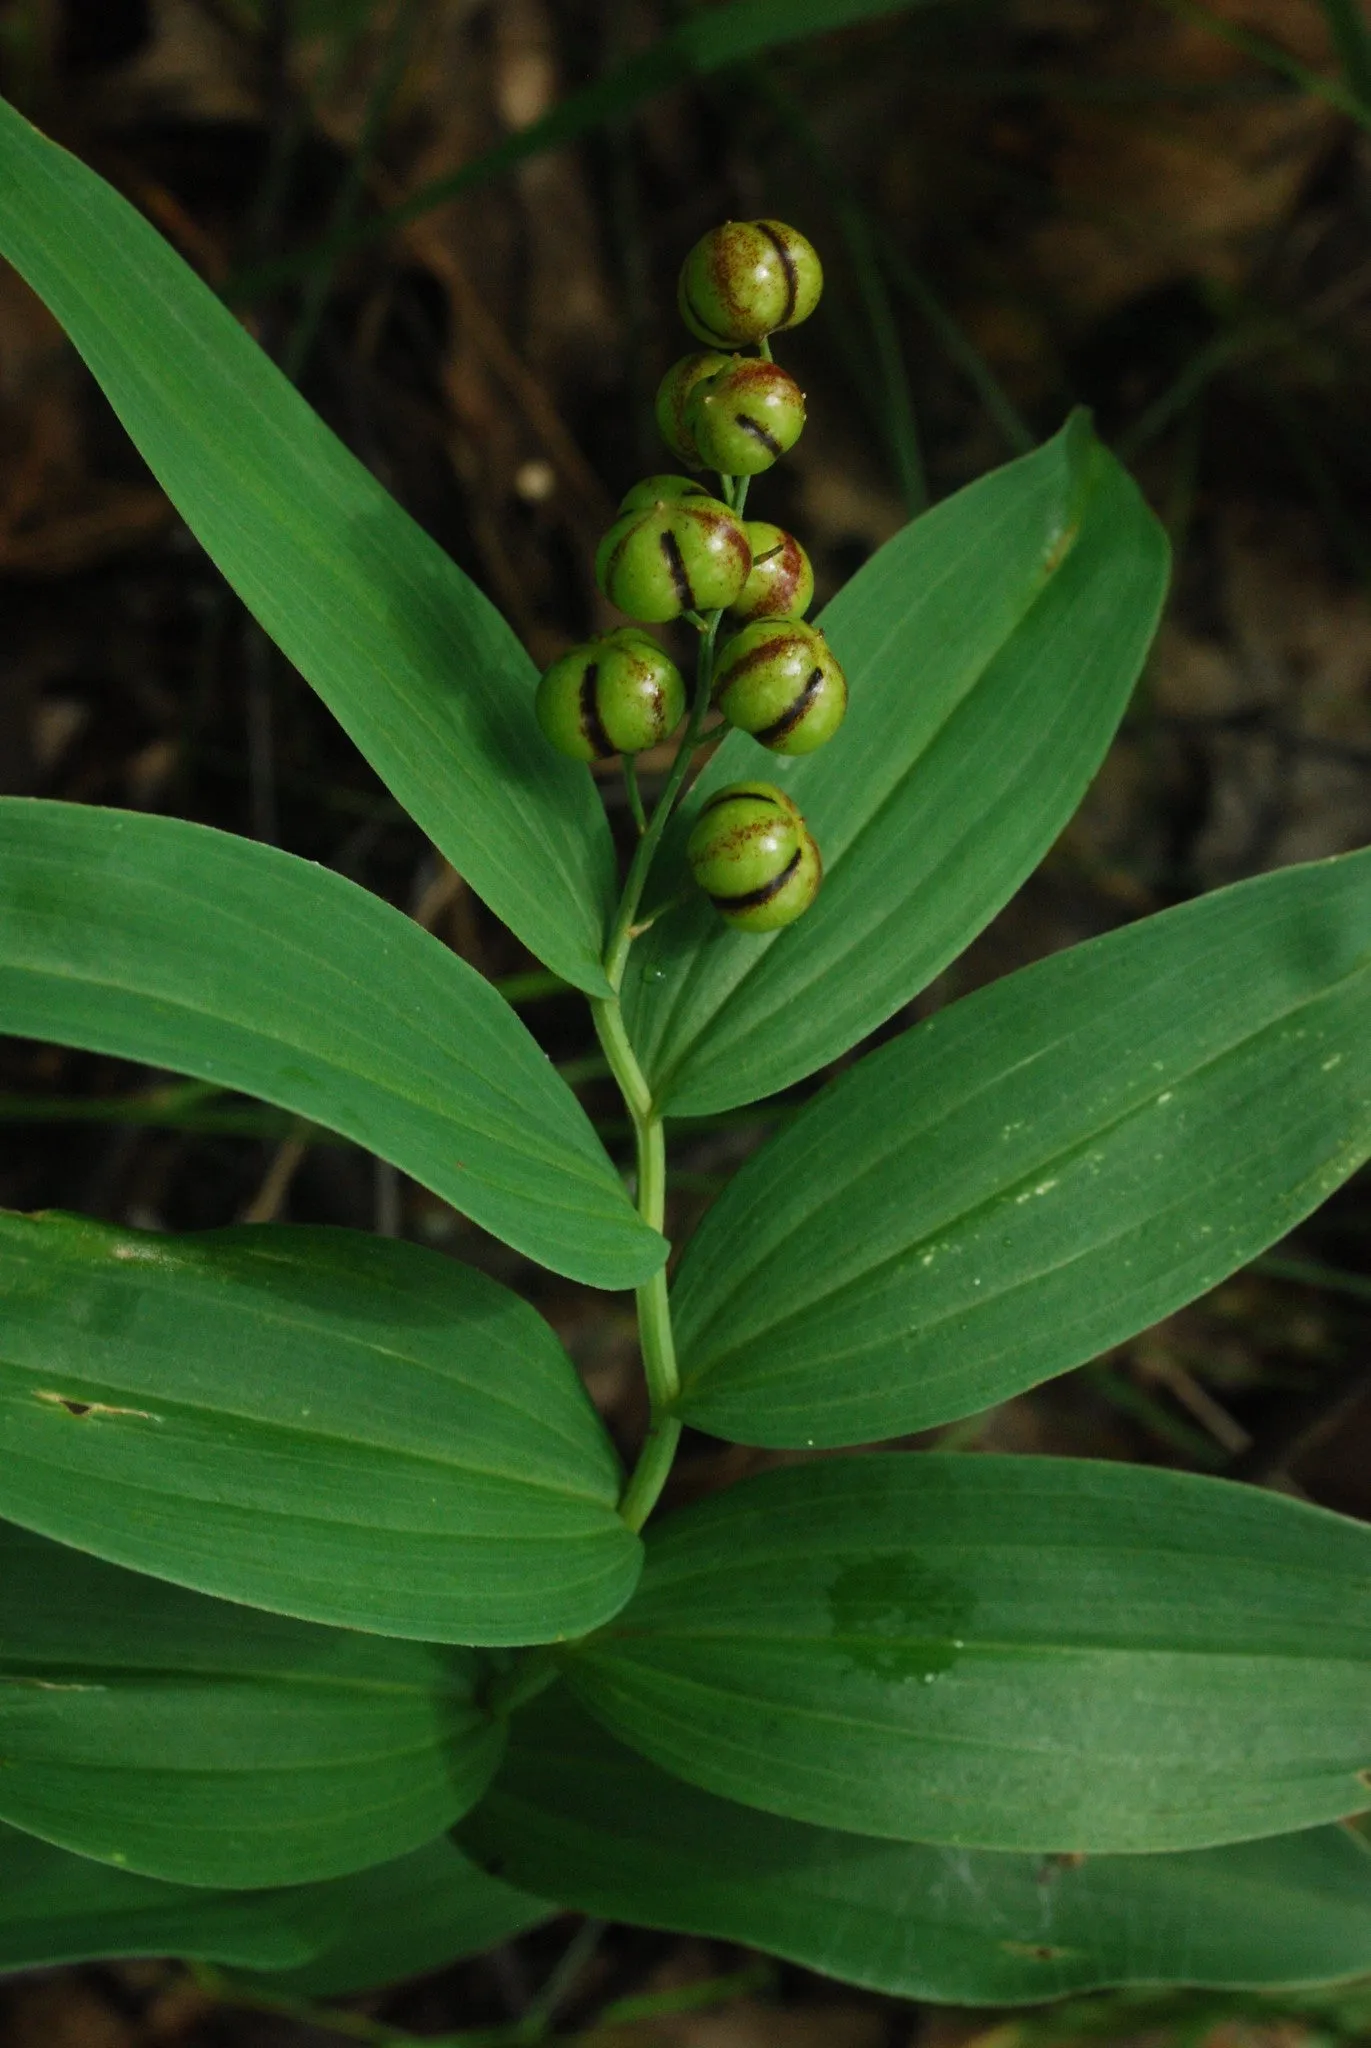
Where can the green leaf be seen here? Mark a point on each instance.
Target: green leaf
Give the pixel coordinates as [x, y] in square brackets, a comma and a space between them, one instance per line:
[403, 1919]
[188, 948]
[574, 1814]
[395, 1920]
[212, 1745]
[1002, 1653]
[991, 648]
[335, 1426]
[1039, 1171]
[414, 662]
[60, 1908]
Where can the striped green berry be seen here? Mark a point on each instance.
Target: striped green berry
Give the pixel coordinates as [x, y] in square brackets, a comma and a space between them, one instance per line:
[662, 490]
[615, 695]
[777, 679]
[673, 394]
[686, 555]
[781, 581]
[745, 417]
[754, 857]
[747, 279]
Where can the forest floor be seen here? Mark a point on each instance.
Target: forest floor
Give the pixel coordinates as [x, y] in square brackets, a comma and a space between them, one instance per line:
[1152, 208]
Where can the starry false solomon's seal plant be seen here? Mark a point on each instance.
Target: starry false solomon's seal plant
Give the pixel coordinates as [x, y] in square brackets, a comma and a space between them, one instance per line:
[335, 1641]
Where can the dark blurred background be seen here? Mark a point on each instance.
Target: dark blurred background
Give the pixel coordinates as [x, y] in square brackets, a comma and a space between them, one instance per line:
[1153, 208]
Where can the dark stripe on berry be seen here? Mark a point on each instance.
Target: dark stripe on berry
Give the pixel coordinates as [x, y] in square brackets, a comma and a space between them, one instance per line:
[675, 561]
[759, 433]
[792, 717]
[615, 563]
[719, 340]
[592, 725]
[792, 282]
[755, 898]
[726, 796]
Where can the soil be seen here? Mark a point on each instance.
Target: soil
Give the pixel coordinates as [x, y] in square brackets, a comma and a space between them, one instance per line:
[1022, 207]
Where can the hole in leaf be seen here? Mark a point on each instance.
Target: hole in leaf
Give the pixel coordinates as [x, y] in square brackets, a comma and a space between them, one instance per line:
[81, 1409]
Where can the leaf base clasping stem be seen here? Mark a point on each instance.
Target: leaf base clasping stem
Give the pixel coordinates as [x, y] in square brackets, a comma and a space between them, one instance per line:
[654, 1312]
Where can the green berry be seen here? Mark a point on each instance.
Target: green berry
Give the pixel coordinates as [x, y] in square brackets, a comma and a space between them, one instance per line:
[665, 559]
[753, 855]
[747, 279]
[672, 395]
[781, 583]
[746, 416]
[661, 490]
[778, 680]
[615, 695]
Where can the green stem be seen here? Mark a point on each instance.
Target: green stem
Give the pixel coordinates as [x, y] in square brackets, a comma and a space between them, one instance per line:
[621, 933]
[654, 1309]
[635, 795]
[652, 1470]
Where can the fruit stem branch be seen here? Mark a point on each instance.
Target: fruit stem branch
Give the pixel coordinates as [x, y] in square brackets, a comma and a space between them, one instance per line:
[620, 937]
[654, 1310]
[634, 794]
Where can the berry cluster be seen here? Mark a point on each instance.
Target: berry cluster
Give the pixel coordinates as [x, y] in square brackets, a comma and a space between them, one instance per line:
[678, 551]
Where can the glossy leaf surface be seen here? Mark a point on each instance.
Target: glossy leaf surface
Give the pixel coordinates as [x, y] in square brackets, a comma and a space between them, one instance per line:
[1002, 1653]
[990, 647]
[209, 1744]
[405, 1918]
[59, 1908]
[1040, 1170]
[332, 1425]
[419, 667]
[576, 1814]
[189, 948]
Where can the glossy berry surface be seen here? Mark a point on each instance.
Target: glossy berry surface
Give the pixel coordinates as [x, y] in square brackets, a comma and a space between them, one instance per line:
[673, 394]
[745, 417]
[780, 583]
[753, 856]
[665, 559]
[662, 490]
[778, 680]
[747, 279]
[615, 695]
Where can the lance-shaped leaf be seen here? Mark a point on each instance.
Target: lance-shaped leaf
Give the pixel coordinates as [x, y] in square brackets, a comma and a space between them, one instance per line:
[405, 1918]
[574, 1813]
[396, 1920]
[1040, 1170]
[188, 948]
[421, 670]
[205, 1743]
[59, 1908]
[990, 647]
[335, 1426]
[1002, 1653]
